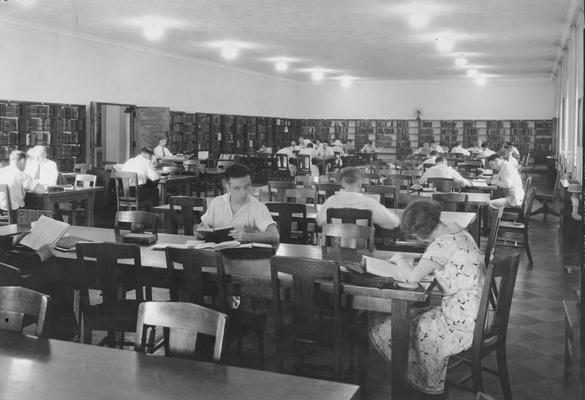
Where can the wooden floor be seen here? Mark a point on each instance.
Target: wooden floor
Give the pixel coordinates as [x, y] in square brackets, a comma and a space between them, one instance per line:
[535, 336]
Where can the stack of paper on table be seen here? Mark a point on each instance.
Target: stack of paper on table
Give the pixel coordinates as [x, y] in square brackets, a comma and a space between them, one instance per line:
[200, 244]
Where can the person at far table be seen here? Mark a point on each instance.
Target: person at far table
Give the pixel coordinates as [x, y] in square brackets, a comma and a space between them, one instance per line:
[438, 148]
[369, 147]
[508, 179]
[431, 160]
[310, 151]
[251, 219]
[39, 167]
[442, 170]
[263, 149]
[485, 151]
[18, 182]
[304, 142]
[348, 146]
[351, 180]
[425, 149]
[325, 152]
[507, 154]
[161, 151]
[458, 149]
[338, 148]
[476, 148]
[142, 166]
[512, 149]
[437, 332]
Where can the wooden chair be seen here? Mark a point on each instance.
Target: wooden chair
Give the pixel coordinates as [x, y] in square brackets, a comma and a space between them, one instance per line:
[84, 181]
[349, 216]
[196, 285]
[304, 166]
[73, 209]
[291, 219]
[314, 321]
[7, 216]
[281, 166]
[16, 303]
[347, 235]
[181, 209]
[444, 185]
[387, 194]
[136, 221]
[304, 180]
[515, 234]
[128, 194]
[277, 189]
[81, 168]
[329, 190]
[9, 275]
[516, 214]
[115, 313]
[398, 180]
[182, 322]
[490, 332]
[452, 201]
[491, 241]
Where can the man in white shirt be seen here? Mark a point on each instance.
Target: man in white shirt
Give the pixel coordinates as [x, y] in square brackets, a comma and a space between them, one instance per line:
[458, 149]
[431, 160]
[251, 219]
[18, 182]
[351, 180]
[507, 178]
[161, 151]
[424, 149]
[325, 152]
[349, 146]
[513, 150]
[369, 147]
[442, 170]
[437, 147]
[39, 167]
[304, 142]
[485, 151]
[142, 166]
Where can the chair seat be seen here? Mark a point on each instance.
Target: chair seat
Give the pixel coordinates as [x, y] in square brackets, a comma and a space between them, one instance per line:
[543, 196]
[511, 225]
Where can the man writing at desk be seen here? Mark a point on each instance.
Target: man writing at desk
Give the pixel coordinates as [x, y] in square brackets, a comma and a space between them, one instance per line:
[251, 219]
[18, 182]
[508, 179]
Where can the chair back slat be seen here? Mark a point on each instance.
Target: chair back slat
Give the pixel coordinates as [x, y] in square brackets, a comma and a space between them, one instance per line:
[85, 181]
[182, 323]
[349, 216]
[529, 202]
[17, 302]
[305, 180]
[328, 188]
[25, 217]
[400, 181]
[287, 215]
[347, 235]
[137, 221]
[186, 215]
[491, 241]
[302, 196]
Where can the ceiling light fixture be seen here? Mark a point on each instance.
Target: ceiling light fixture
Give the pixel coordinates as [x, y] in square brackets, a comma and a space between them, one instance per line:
[461, 61]
[153, 30]
[472, 72]
[418, 20]
[480, 80]
[230, 52]
[445, 43]
[346, 81]
[281, 66]
[317, 75]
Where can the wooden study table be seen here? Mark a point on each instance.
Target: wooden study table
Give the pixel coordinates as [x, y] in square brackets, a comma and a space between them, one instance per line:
[49, 201]
[38, 368]
[183, 183]
[252, 273]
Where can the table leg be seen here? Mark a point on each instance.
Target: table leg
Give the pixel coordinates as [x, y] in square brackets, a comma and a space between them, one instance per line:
[89, 206]
[400, 344]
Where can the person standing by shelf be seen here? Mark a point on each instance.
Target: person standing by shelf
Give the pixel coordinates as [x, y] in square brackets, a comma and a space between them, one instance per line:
[369, 147]
[18, 182]
[39, 167]
[161, 151]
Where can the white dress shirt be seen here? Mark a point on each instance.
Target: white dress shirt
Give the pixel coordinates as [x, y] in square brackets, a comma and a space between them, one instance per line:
[44, 171]
[485, 153]
[460, 150]
[443, 171]
[142, 167]
[325, 153]
[509, 178]
[18, 184]
[253, 216]
[161, 152]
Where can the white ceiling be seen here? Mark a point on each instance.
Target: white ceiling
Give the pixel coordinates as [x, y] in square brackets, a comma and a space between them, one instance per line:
[368, 39]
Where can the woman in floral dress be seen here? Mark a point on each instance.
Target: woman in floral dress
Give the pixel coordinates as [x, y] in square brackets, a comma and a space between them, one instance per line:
[437, 332]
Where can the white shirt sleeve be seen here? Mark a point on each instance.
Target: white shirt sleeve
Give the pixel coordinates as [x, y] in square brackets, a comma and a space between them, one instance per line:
[383, 217]
[151, 172]
[262, 217]
[209, 217]
[51, 172]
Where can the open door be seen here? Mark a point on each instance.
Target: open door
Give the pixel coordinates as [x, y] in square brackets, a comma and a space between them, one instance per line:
[111, 130]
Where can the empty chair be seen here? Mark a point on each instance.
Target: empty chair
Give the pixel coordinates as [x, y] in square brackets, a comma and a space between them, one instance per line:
[490, 331]
[515, 234]
[16, 303]
[73, 209]
[303, 196]
[452, 201]
[182, 210]
[129, 195]
[304, 164]
[304, 180]
[387, 194]
[6, 216]
[348, 235]
[445, 185]
[83, 181]
[115, 314]
[277, 189]
[182, 322]
[291, 219]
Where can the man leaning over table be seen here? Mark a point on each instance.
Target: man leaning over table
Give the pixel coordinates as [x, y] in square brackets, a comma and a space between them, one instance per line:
[145, 173]
[18, 182]
[442, 170]
[250, 218]
[508, 178]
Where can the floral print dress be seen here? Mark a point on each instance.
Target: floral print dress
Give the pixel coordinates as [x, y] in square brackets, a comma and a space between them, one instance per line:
[440, 332]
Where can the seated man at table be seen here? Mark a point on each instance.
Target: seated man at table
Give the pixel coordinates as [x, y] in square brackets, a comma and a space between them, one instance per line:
[251, 219]
[39, 167]
[442, 170]
[507, 179]
[437, 147]
[458, 149]
[304, 142]
[425, 149]
[142, 166]
[18, 182]
[348, 146]
[507, 154]
[161, 151]
[485, 151]
[431, 160]
[369, 147]
[310, 151]
[351, 180]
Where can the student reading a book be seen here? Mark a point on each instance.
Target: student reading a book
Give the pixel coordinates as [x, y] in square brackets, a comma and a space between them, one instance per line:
[250, 219]
[39, 167]
[442, 170]
[351, 180]
[18, 182]
[441, 331]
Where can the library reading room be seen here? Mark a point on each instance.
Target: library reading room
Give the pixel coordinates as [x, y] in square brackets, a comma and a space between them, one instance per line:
[319, 199]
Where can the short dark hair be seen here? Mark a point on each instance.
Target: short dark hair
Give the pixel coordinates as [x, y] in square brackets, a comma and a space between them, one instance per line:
[439, 159]
[493, 157]
[350, 175]
[457, 144]
[421, 217]
[17, 155]
[309, 145]
[162, 138]
[147, 150]
[236, 171]
[484, 145]
[433, 153]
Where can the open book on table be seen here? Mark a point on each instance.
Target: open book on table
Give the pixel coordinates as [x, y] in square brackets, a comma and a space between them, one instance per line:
[389, 269]
[199, 245]
[44, 235]
[217, 235]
